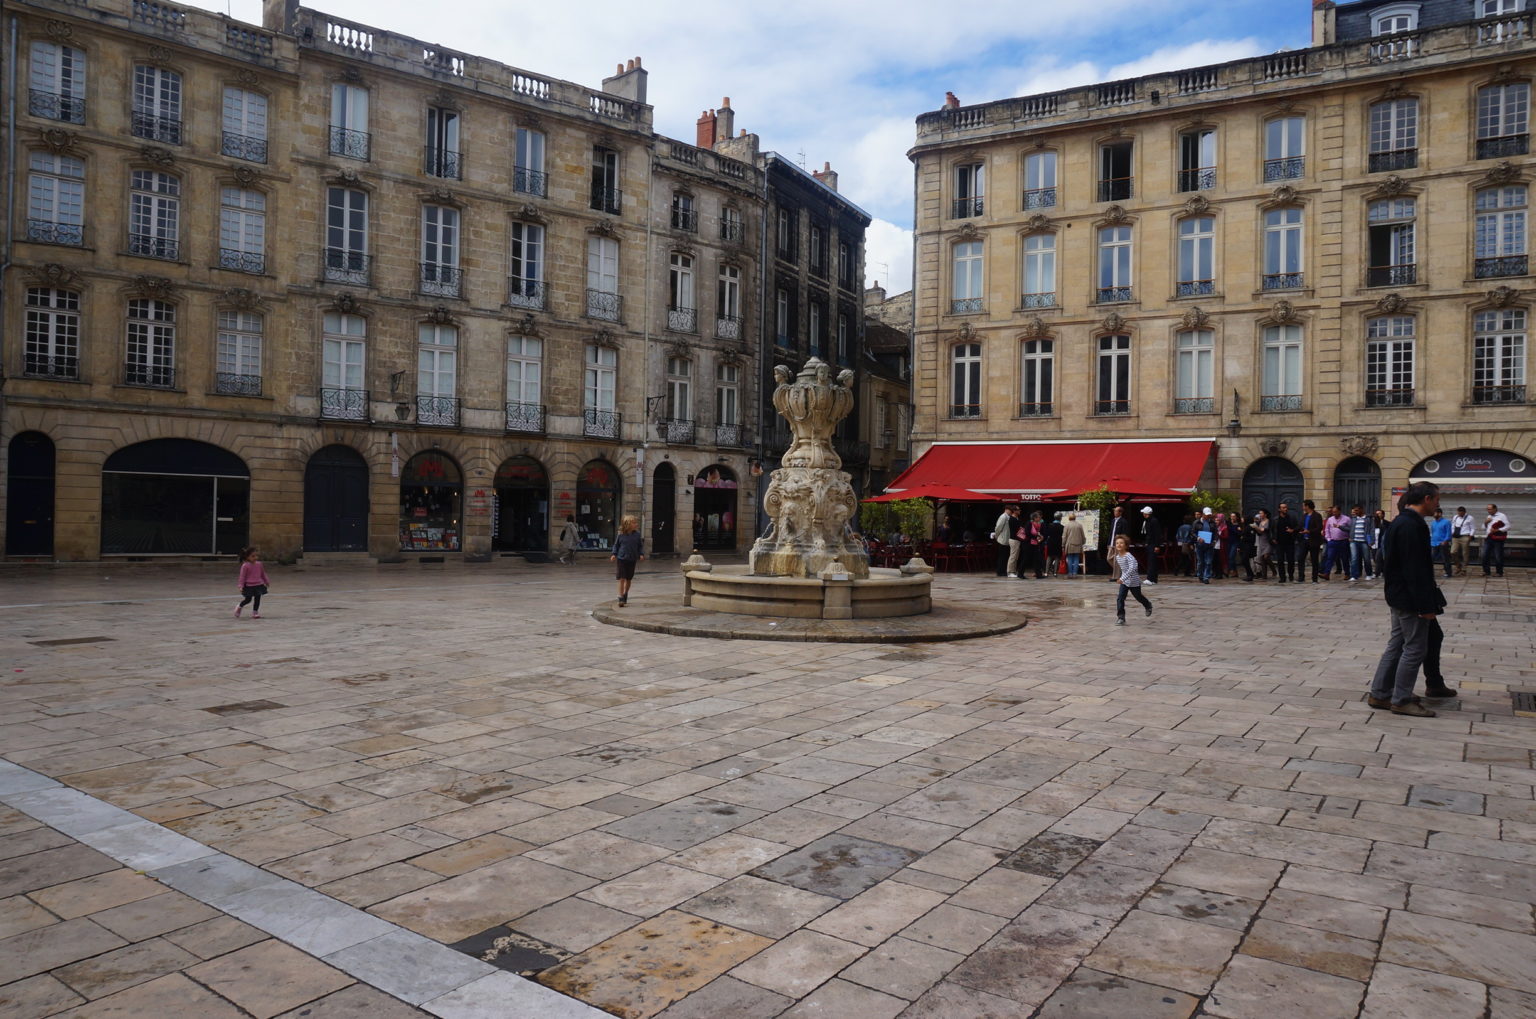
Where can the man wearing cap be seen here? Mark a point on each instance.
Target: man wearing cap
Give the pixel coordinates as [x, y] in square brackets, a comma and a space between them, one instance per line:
[1205, 543]
[1152, 534]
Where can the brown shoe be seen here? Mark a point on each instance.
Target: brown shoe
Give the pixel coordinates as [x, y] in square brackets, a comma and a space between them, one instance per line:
[1413, 708]
[1381, 703]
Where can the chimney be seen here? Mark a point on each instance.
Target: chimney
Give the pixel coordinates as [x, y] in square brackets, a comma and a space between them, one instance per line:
[950, 102]
[874, 296]
[1324, 22]
[727, 118]
[705, 138]
[279, 15]
[826, 175]
[628, 82]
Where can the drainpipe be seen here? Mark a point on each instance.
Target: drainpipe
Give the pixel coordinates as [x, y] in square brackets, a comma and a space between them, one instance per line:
[645, 324]
[10, 193]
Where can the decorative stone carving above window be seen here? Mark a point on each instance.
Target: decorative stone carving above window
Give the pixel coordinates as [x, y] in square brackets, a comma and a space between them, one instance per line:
[242, 299]
[1114, 322]
[1359, 445]
[1273, 447]
[1282, 196]
[1392, 304]
[1391, 186]
[1115, 215]
[157, 156]
[1199, 205]
[1284, 314]
[1035, 328]
[966, 332]
[968, 232]
[440, 315]
[1196, 318]
[347, 304]
[52, 274]
[245, 176]
[1039, 223]
[59, 141]
[527, 325]
[1502, 297]
[58, 31]
[605, 338]
[1502, 174]
[603, 228]
[157, 288]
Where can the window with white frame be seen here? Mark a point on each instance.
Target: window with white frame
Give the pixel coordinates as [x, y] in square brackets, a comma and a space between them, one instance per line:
[788, 243]
[1280, 384]
[1039, 180]
[1197, 160]
[727, 395]
[598, 390]
[1392, 228]
[1285, 148]
[1394, 135]
[1194, 372]
[55, 199]
[965, 380]
[1114, 265]
[970, 190]
[437, 374]
[728, 302]
[603, 279]
[816, 329]
[1498, 356]
[1494, 8]
[1038, 382]
[682, 306]
[244, 134]
[1282, 249]
[52, 341]
[680, 389]
[1113, 393]
[606, 196]
[1197, 256]
[349, 121]
[156, 104]
[1395, 18]
[1503, 120]
[242, 230]
[1499, 233]
[443, 158]
[525, 370]
[1389, 361]
[344, 345]
[847, 265]
[154, 215]
[440, 274]
[525, 287]
[818, 250]
[56, 82]
[528, 174]
[346, 236]
[684, 216]
[967, 261]
[151, 352]
[237, 355]
[1039, 285]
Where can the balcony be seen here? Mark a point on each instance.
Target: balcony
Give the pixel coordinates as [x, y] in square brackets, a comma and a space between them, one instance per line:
[1389, 397]
[609, 200]
[683, 320]
[344, 404]
[530, 182]
[1498, 394]
[1391, 275]
[349, 143]
[1504, 29]
[244, 146]
[342, 266]
[603, 305]
[1114, 295]
[851, 451]
[437, 411]
[1200, 178]
[732, 436]
[42, 231]
[1111, 408]
[1039, 198]
[150, 246]
[1280, 403]
[732, 230]
[600, 424]
[1196, 288]
[1502, 265]
[1036, 410]
[686, 220]
[242, 261]
[442, 163]
[1289, 168]
[1398, 159]
[1394, 47]
[55, 106]
[157, 129]
[525, 417]
[1194, 405]
[1284, 280]
[675, 431]
[1117, 189]
[965, 208]
[441, 280]
[149, 376]
[231, 384]
[961, 411]
[777, 439]
[523, 293]
[728, 327]
[42, 367]
[1045, 299]
[965, 306]
[1508, 145]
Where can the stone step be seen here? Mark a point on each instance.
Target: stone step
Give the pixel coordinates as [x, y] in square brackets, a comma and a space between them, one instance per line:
[337, 559]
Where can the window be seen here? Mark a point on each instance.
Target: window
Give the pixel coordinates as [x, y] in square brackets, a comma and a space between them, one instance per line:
[151, 357]
[245, 125]
[882, 423]
[1116, 181]
[683, 215]
[730, 224]
[437, 353]
[1500, 232]
[440, 273]
[525, 370]
[1494, 8]
[442, 156]
[606, 196]
[1039, 180]
[815, 328]
[728, 303]
[528, 174]
[1394, 139]
[967, 278]
[1197, 160]
[603, 279]
[1396, 18]
[157, 104]
[242, 230]
[783, 319]
[818, 251]
[1039, 286]
[1114, 264]
[842, 338]
[847, 266]
[1389, 361]
[727, 396]
[1285, 148]
[154, 215]
[1036, 387]
[349, 121]
[682, 308]
[1194, 372]
[344, 344]
[237, 358]
[1281, 383]
[602, 372]
[788, 243]
[679, 390]
[970, 191]
[1114, 388]
[965, 377]
[52, 333]
[1498, 356]
[56, 83]
[1392, 252]
[1197, 256]
[525, 286]
[55, 199]
[1503, 120]
[346, 236]
[1282, 250]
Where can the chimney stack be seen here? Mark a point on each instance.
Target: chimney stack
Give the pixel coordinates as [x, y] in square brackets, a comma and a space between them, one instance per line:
[628, 82]
[279, 15]
[727, 119]
[826, 175]
[874, 296]
[707, 126]
[950, 101]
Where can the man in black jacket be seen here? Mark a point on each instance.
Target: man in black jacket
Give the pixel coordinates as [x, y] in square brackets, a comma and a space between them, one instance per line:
[1413, 598]
[1282, 531]
[1152, 535]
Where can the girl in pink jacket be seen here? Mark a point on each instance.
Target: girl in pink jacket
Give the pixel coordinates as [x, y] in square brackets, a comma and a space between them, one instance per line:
[253, 581]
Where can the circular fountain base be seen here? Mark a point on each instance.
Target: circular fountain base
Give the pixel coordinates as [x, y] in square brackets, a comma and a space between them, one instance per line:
[884, 593]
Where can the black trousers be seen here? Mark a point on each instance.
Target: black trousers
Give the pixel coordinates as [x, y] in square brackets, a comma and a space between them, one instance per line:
[1314, 553]
[1002, 560]
[1285, 561]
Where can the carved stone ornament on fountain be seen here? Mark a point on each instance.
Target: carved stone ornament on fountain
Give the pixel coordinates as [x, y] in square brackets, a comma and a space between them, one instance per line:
[809, 498]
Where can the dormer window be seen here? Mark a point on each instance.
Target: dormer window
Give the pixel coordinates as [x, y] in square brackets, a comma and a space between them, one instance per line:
[1395, 18]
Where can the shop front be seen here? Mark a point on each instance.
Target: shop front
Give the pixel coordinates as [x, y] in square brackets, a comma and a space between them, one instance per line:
[521, 520]
[714, 509]
[431, 497]
[174, 497]
[1478, 478]
[597, 504]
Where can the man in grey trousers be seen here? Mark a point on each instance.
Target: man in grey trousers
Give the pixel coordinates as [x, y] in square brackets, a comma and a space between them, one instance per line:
[1413, 598]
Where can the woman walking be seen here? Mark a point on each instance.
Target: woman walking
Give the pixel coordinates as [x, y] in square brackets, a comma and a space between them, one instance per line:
[253, 581]
[570, 539]
[1130, 578]
[628, 550]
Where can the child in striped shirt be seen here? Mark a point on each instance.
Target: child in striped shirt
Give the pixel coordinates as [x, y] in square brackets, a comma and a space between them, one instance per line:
[1130, 578]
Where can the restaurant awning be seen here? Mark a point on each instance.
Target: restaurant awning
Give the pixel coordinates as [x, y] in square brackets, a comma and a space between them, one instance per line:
[1058, 471]
[943, 493]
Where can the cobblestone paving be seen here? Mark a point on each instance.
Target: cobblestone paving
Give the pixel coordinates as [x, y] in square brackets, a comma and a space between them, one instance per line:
[1190, 815]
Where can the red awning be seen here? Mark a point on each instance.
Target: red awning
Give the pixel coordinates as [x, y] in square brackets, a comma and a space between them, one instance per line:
[945, 493]
[1059, 471]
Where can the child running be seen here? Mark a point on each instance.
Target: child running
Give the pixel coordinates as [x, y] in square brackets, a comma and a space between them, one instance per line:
[628, 550]
[253, 581]
[1130, 578]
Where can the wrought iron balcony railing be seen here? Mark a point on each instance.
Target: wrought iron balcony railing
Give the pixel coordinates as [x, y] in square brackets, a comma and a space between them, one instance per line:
[1036, 410]
[1114, 295]
[605, 306]
[231, 384]
[732, 230]
[777, 438]
[1290, 402]
[600, 424]
[1039, 198]
[609, 200]
[965, 410]
[442, 163]
[530, 182]
[525, 417]
[154, 247]
[56, 106]
[730, 435]
[683, 320]
[1398, 159]
[43, 367]
[1389, 397]
[1117, 189]
[149, 376]
[965, 305]
[242, 261]
[156, 128]
[1285, 280]
[344, 404]
[1498, 394]
[1288, 168]
[441, 280]
[1391, 275]
[1194, 405]
[1044, 299]
[685, 219]
[522, 293]
[677, 431]
[440, 411]
[244, 146]
[1200, 178]
[1111, 408]
[1503, 265]
[349, 143]
[343, 266]
[965, 208]
[728, 327]
[1196, 288]
[1508, 145]
[42, 231]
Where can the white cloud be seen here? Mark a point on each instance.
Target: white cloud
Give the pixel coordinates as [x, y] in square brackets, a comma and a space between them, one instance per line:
[888, 256]
[1053, 77]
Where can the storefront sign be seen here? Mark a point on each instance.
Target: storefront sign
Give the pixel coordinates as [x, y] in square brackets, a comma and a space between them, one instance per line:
[479, 501]
[1031, 497]
[1476, 465]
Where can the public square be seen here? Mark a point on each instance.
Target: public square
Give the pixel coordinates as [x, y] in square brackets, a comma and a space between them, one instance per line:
[1194, 814]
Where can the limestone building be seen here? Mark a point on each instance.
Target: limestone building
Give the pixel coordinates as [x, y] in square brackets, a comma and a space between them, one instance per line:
[885, 398]
[1302, 274]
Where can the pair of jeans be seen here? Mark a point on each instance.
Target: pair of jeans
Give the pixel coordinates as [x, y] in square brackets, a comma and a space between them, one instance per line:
[1337, 554]
[1407, 645]
[1493, 556]
[1360, 559]
[1135, 592]
[1206, 554]
[1074, 563]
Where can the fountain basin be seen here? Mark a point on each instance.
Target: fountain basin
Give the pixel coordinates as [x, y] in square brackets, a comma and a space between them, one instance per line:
[885, 593]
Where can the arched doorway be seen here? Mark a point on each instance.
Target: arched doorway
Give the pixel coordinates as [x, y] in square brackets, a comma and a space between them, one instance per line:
[431, 492]
[664, 510]
[336, 501]
[714, 508]
[522, 506]
[1269, 482]
[29, 496]
[597, 504]
[174, 497]
[1357, 482]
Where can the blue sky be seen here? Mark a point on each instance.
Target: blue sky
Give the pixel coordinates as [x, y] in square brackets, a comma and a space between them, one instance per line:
[840, 82]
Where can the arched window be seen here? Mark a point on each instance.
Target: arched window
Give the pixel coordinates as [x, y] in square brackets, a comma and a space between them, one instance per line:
[174, 496]
[683, 215]
[56, 82]
[1113, 391]
[1498, 356]
[1500, 232]
[1389, 361]
[603, 279]
[1281, 368]
[679, 423]
[242, 230]
[970, 190]
[346, 236]
[1393, 228]
[1039, 180]
[437, 374]
[157, 104]
[151, 352]
[1285, 148]
[349, 121]
[55, 199]
[1197, 256]
[965, 377]
[244, 134]
[682, 305]
[728, 302]
[344, 349]
[440, 273]
[237, 364]
[154, 215]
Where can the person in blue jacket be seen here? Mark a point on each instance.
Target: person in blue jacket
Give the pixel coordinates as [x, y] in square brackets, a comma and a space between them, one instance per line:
[1440, 534]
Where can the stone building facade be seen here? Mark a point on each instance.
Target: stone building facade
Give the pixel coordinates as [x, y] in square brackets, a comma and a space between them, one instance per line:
[1317, 259]
[886, 395]
[324, 288]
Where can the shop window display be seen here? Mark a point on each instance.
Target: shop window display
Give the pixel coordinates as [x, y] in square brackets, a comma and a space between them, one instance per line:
[597, 504]
[714, 509]
[431, 494]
